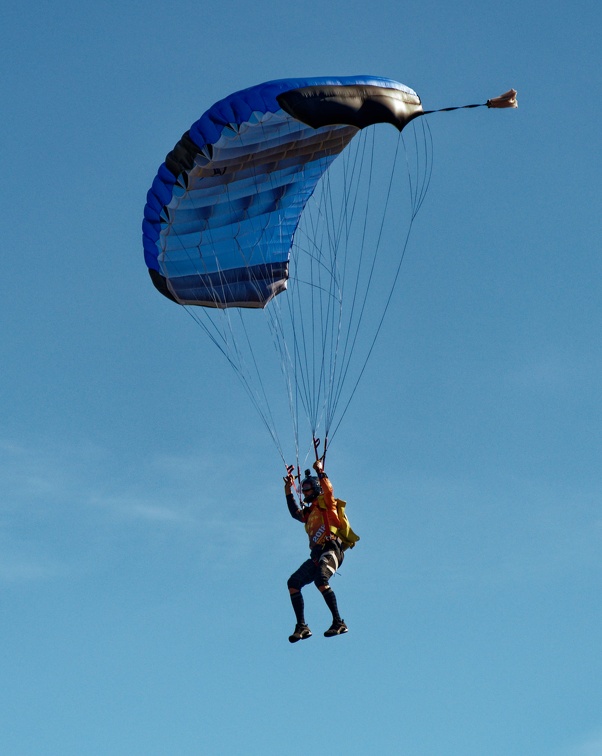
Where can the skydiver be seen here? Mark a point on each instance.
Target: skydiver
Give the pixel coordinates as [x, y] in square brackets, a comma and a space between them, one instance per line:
[326, 552]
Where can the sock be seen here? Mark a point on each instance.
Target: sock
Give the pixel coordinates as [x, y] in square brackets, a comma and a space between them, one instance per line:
[298, 607]
[331, 603]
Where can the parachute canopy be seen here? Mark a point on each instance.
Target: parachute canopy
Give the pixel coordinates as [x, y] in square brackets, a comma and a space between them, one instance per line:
[223, 209]
[252, 202]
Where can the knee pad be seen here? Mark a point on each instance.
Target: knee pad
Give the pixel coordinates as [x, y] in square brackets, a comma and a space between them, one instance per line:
[327, 566]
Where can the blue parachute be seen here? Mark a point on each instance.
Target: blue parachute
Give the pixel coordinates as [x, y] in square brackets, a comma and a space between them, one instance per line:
[253, 203]
[223, 210]
[253, 213]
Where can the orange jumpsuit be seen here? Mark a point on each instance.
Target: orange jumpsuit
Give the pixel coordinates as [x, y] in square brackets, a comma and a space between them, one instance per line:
[326, 553]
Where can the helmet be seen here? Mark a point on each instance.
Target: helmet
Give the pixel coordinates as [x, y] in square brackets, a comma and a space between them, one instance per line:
[311, 483]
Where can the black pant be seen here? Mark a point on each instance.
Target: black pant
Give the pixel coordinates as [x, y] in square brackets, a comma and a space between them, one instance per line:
[324, 561]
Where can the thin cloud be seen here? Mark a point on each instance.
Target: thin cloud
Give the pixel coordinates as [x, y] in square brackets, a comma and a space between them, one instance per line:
[590, 745]
[21, 562]
[56, 479]
[135, 508]
[63, 510]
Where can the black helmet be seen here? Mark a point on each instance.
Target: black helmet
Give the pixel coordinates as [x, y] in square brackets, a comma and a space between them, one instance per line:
[310, 486]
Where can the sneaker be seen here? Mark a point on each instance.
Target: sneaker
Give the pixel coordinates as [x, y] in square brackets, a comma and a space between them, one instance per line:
[301, 633]
[338, 627]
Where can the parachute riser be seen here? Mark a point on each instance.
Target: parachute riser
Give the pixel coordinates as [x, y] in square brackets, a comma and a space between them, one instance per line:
[317, 443]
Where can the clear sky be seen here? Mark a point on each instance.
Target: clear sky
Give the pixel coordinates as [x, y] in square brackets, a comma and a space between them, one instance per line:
[144, 537]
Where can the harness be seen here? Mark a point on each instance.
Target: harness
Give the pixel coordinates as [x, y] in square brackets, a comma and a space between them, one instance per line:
[342, 534]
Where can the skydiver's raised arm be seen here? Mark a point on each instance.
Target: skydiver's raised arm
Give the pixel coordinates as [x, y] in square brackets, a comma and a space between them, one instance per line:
[293, 507]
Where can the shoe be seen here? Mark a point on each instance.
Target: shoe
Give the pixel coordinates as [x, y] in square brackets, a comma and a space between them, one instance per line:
[301, 633]
[338, 627]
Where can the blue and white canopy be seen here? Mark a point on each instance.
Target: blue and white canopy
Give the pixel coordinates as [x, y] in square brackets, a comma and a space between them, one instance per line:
[223, 209]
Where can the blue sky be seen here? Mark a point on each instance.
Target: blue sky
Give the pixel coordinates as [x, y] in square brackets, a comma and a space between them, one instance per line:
[144, 538]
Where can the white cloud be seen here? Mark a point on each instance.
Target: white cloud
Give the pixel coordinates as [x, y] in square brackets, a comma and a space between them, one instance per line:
[17, 568]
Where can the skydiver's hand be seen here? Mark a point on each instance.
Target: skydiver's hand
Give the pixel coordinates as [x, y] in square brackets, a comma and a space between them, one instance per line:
[289, 482]
[318, 467]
